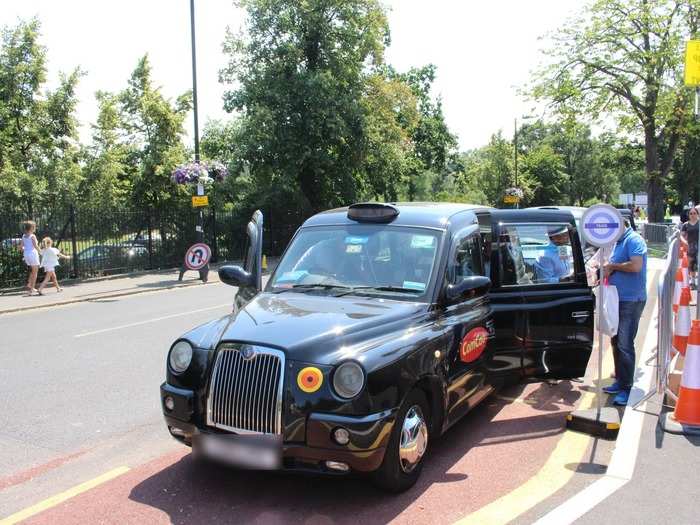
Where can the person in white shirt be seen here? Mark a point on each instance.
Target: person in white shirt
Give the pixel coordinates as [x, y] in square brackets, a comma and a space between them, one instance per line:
[49, 261]
[30, 252]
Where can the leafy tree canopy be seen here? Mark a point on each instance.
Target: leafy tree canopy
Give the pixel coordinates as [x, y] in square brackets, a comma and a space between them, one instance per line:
[622, 58]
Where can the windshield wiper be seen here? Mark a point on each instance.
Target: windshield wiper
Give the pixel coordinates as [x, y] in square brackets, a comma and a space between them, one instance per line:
[400, 289]
[308, 287]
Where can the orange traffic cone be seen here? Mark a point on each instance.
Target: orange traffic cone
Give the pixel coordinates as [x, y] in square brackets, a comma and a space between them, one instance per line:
[688, 404]
[680, 283]
[684, 267]
[681, 330]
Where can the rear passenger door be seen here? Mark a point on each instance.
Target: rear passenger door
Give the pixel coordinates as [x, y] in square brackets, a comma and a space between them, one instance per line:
[504, 364]
[542, 260]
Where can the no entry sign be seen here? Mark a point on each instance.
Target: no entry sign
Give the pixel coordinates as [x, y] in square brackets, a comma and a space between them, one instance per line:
[197, 256]
[602, 225]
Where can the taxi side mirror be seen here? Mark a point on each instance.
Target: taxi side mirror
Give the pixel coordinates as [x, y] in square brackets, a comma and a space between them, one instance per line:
[467, 288]
[236, 276]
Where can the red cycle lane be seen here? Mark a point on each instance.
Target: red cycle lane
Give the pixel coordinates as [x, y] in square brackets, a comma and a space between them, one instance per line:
[492, 451]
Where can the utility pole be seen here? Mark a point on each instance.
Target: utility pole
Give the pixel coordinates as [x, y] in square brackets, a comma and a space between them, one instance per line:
[194, 85]
[199, 228]
[515, 152]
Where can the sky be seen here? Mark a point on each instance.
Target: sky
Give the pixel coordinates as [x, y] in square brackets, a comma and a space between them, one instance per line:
[483, 50]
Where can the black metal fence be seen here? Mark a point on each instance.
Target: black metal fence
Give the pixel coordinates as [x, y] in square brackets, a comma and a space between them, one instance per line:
[107, 242]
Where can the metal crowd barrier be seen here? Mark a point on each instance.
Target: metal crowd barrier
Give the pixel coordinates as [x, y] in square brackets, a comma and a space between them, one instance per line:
[657, 233]
[664, 340]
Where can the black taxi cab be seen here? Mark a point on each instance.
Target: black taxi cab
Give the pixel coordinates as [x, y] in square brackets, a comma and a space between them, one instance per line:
[381, 326]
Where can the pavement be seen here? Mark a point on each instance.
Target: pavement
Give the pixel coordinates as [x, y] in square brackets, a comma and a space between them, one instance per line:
[82, 438]
[88, 290]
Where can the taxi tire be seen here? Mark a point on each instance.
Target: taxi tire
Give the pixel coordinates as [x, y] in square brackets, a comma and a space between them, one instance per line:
[390, 476]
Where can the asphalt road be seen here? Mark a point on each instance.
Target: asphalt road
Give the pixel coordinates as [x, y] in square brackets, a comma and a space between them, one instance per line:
[73, 377]
[79, 397]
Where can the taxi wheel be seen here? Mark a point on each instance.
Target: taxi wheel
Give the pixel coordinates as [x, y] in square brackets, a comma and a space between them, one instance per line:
[403, 459]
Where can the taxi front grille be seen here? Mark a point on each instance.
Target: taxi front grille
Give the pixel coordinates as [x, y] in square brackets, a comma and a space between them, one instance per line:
[245, 393]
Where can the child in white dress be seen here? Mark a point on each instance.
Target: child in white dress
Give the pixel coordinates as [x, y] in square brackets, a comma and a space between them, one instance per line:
[30, 252]
[49, 261]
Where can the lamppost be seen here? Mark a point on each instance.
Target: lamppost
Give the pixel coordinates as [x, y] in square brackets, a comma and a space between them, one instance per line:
[515, 152]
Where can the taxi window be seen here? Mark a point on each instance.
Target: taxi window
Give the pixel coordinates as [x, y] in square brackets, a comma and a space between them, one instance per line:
[467, 258]
[533, 254]
[376, 260]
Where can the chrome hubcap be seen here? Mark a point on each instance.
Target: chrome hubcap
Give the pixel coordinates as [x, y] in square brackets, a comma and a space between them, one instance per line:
[414, 439]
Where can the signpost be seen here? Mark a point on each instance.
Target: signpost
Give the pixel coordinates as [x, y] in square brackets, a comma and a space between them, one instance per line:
[602, 226]
[692, 70]
[200, 200]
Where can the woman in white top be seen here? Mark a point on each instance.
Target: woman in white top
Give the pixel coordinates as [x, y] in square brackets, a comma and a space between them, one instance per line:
[49, 261]
[30, 250]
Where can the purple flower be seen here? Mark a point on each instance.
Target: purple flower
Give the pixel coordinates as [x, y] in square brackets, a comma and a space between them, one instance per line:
[203, 173]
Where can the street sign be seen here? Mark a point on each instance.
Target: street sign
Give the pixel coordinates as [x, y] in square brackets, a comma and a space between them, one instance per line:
[511, 199]
[602, 225]
[197, 256]
[200, 200]
[692, 63]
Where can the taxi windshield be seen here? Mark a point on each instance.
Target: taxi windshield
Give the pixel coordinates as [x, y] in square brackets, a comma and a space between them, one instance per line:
[359, 259]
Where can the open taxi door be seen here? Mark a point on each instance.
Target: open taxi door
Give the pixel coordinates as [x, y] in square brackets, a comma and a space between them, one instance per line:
[248, 278]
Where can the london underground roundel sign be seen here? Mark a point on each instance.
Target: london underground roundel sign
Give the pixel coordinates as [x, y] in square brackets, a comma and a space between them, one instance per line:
[602, 225]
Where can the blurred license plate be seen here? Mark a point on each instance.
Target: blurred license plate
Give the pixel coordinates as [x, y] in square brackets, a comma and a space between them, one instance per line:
[243, 451]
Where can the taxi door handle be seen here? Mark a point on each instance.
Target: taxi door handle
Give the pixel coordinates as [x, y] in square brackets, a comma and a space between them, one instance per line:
[580, 315]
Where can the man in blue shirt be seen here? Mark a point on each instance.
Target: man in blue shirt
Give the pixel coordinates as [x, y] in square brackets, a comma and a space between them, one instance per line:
[627, 270]
[555, 263]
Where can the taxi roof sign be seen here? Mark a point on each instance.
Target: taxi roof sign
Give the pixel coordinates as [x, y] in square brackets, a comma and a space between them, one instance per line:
[692, 63]
[372, 212]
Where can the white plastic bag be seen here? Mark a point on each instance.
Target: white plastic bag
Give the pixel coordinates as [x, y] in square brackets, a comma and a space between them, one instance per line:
[610, 313]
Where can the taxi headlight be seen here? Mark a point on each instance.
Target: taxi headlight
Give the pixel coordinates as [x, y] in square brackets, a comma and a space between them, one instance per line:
[348, 379]
[180, 356]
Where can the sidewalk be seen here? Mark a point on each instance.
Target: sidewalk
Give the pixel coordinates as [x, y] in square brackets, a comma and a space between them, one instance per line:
[665, 486]
[74, 292]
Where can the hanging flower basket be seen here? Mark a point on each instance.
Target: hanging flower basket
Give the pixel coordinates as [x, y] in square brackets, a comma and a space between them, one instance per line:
[204, 173]
[514, 192]
[513, 195]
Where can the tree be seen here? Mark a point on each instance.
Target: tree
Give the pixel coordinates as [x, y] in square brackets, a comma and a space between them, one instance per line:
[108, 173]
[300, 75]
[391, 119]
[433, 143]
[545, 168]
[685, 179]
[153, 129]
[585, 177]
[491, 167]
[38, 138]
[622, 58]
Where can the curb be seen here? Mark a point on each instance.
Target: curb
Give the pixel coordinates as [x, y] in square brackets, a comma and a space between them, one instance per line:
[127, 275]
[122, 293]
[106, 295]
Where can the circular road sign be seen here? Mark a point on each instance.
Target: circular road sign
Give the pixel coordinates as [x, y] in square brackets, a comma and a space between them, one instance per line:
[602, 225]
[197, 256]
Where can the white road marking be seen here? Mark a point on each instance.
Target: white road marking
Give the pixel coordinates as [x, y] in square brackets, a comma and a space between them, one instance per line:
[154, 320]
[624, 455]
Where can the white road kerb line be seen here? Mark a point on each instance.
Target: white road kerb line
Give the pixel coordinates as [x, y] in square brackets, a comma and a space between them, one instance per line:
[155, 320]
[624, 456]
